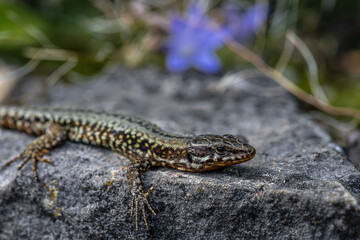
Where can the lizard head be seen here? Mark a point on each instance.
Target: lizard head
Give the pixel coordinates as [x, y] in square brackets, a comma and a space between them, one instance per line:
[208, 152]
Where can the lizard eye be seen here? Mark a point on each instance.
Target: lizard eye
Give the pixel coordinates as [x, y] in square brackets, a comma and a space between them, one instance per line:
[220, 150]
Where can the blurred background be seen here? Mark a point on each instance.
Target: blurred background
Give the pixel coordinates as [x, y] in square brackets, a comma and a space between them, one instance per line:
[315, 44]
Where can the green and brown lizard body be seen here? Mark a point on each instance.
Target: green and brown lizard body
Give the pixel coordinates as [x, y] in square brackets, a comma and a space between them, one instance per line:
[142, 142]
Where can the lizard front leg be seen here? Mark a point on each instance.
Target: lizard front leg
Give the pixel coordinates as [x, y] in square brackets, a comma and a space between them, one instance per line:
[139, 197]
[53, 136]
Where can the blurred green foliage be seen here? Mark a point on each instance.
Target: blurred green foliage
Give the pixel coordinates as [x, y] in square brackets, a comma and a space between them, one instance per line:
[15, 23]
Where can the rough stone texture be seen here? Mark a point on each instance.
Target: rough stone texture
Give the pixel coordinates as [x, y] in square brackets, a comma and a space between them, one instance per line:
[299, 186]
[353, 150]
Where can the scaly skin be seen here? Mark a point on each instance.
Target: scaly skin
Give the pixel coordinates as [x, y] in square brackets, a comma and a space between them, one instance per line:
[144, 143]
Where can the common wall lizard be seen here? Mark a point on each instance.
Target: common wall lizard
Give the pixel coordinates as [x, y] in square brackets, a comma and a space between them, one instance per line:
[144, 143]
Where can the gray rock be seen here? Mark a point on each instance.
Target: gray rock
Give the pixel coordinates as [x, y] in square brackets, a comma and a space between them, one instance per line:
[300, 185]
[353, 150]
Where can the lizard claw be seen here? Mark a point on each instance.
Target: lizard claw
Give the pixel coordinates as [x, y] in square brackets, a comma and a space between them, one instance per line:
[34, 152]
[140, 200]
[29, 154]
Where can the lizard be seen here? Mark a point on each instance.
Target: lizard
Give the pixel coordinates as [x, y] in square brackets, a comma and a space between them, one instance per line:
[142, 142]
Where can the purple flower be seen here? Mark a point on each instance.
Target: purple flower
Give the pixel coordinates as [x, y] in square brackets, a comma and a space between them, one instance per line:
[242, 26]
[193, 41]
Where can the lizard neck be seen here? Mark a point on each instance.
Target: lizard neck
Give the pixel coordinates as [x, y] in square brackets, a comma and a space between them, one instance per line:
[160, 149]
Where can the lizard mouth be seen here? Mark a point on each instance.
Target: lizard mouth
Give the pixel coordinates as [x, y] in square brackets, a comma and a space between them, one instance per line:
[242, 156]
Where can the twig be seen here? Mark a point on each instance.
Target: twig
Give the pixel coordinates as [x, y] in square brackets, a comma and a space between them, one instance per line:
[258, 62]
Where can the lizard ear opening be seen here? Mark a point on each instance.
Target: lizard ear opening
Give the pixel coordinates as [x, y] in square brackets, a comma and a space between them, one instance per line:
[190, 157]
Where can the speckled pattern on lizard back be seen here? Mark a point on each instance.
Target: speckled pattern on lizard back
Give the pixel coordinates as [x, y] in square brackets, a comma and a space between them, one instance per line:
[144, 143]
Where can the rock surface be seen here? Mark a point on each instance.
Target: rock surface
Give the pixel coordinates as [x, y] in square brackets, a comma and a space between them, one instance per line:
[299, 186]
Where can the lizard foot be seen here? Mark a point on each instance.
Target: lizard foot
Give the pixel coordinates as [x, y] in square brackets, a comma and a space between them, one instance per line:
[139, 200]
[53, 136]
[30, 154]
